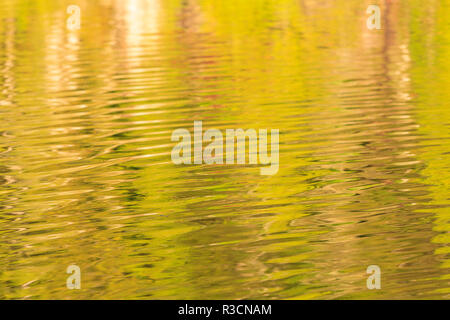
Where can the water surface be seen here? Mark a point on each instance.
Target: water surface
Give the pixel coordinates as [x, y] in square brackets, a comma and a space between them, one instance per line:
[86, 176]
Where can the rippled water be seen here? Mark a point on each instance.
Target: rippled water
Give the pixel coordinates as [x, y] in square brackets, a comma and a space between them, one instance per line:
[86, 176]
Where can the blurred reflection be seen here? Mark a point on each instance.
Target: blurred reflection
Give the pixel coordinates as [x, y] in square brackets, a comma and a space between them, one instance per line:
[85, 170]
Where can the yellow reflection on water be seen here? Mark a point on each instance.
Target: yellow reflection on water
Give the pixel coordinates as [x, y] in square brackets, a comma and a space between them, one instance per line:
[86, 176]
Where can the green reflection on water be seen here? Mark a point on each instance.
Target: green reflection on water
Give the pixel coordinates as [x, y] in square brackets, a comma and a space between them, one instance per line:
[85, 170]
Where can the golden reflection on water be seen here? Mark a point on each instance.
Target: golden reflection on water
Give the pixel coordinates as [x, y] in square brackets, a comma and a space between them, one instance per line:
[85, 170]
